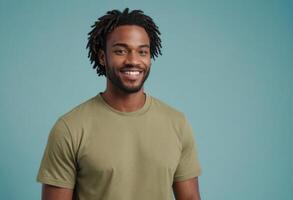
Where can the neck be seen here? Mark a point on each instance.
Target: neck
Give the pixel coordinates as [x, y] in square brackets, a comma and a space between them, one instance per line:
[122, 101]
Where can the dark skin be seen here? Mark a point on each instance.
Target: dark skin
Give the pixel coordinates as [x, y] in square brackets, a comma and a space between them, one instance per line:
[126, 45]
[186, 190]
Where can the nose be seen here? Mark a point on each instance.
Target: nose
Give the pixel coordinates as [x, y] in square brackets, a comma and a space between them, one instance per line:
[132, 59]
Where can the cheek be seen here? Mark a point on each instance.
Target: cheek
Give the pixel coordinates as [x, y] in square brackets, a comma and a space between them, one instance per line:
[114, 61]
[147, 62]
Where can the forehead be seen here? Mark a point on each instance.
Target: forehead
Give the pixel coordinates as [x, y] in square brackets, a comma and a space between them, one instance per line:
[131, 35]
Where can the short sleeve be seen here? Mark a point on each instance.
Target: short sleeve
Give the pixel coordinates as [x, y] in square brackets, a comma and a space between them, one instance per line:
[188, 166]
[58, 166]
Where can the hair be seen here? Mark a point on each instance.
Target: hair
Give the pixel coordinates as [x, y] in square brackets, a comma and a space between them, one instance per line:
[112, 19]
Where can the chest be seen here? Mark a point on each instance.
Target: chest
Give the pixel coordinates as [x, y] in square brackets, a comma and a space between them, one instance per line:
[127, 147]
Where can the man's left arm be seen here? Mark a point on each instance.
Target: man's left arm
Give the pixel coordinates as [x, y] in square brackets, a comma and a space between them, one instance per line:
[185, 182]
[187, 190]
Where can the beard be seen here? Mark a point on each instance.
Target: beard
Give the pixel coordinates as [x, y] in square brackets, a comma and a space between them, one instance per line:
[112, 74]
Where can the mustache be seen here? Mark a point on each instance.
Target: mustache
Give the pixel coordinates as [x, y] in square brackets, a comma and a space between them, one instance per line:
[129, 66]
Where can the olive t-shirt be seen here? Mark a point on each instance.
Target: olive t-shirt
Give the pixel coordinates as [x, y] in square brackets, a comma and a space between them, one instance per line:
[105, 154]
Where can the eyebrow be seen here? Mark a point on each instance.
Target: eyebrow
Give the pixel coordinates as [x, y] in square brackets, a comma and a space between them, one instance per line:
[126, 46]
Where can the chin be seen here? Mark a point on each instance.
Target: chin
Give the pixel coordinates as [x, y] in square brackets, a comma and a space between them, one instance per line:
[131, 90]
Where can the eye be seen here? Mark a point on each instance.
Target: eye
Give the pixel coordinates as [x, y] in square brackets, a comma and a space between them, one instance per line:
[120, 51]
[143, 52]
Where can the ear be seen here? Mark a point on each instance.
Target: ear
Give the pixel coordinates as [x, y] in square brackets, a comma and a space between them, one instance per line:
[102, 57]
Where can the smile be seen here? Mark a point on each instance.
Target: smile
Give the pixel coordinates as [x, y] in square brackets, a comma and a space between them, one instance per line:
[132, 72]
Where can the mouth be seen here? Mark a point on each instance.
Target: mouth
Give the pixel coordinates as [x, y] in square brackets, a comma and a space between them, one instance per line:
[131, 74]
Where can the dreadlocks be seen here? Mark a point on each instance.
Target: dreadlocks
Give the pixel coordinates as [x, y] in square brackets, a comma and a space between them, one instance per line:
[107, 23]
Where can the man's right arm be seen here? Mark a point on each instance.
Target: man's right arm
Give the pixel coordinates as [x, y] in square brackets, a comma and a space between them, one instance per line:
[50, 192]
[57, 172]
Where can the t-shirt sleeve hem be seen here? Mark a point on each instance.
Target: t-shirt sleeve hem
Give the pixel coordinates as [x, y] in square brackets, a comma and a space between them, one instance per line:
[187, 176]
[57, 183]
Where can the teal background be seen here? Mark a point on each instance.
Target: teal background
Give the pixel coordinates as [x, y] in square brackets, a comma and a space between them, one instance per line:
[226, 64]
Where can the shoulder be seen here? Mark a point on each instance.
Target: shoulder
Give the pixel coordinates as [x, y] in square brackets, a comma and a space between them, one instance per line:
[78, 117]
[162, 108]
[71, 125]
[173, 117]
[82, 110]
[82, 113]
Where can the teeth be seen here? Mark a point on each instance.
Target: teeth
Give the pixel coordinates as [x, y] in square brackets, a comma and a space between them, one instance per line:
[133, 73]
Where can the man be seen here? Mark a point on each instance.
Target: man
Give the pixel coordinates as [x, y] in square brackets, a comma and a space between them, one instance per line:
[122, 144]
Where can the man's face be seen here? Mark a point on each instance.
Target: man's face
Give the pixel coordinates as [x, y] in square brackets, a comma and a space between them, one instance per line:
[127, 60]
